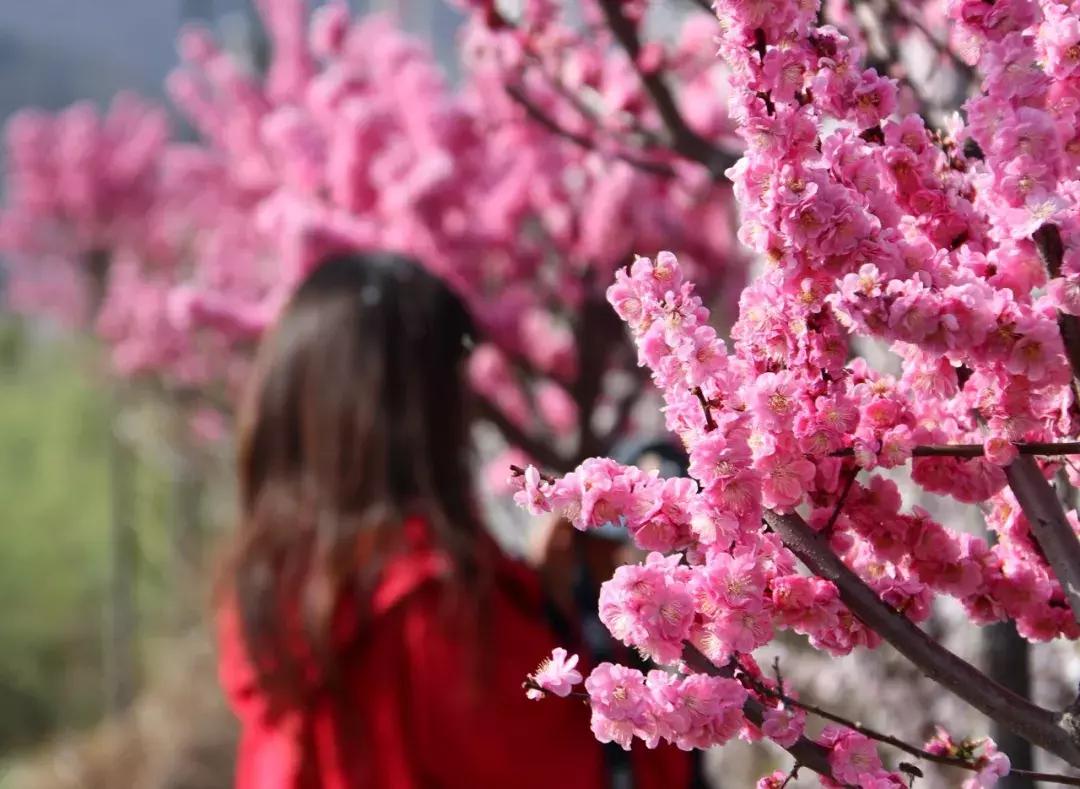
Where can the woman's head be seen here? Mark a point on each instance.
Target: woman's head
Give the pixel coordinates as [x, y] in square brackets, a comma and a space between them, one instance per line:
[355, 418]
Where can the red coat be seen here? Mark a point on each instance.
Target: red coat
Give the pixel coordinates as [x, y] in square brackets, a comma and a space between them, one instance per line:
[406, 713]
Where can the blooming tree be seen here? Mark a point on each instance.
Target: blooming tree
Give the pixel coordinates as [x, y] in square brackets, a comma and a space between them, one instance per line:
[524, 188]
[959, 247]
[78, 186]
[571, 145]
[95, 234]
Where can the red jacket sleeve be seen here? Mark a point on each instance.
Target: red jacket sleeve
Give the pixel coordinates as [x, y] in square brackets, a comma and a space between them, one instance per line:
[269, 754]
[309, 747]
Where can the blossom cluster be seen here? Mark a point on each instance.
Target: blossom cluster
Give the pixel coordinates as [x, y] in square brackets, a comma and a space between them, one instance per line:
[990, 763]
[955, 247]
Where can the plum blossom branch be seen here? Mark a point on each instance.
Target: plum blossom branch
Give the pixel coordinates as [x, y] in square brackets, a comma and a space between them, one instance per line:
[582, 140]
[684, 140]
[1039, 726]
[849, 483]
[1051, 249]
[518, 471]
[1043, 449]
[538, 449]
[761, 688]
[1049, 526]
[966, 72]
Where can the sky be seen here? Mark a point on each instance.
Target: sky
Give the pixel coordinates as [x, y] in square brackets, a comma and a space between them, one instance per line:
[54, 52]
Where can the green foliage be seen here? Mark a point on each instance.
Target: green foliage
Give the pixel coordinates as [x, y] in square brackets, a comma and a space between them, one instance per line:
[54, 529]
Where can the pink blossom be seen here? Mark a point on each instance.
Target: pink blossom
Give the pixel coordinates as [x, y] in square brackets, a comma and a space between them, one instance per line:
[697, 711]
[1000, 451]
[785, 477]
[852, 756]
[621, 708]
[783, 725]
[556, 675]
[993, 765]
[649, 606]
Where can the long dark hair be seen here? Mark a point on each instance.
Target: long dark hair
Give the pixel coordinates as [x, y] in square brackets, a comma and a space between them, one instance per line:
[356, 418]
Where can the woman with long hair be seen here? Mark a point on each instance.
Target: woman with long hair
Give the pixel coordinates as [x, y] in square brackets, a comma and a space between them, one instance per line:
[371, 633]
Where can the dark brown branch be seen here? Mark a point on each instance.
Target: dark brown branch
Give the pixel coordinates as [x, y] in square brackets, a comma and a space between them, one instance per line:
[596, 332]
[684, 140]
[793, 773]
[1051, 251]
[976, 450]
[1050, 247]
[848, 485]
[1037, 725]
[888, 739]
[964, 70]
[98, 263]
[647, 137]
[582, 140]
[710, 423]
[623, 409]
[1049, 526]
[518, 471]
[889, 62]
[538, 450]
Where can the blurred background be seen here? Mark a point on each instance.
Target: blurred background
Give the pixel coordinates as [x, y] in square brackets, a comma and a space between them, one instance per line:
[109, 516]
[115, 459]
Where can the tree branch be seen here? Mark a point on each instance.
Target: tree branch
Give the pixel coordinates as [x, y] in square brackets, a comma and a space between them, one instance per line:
[582, 140]
[1051, 251]
[1045, 449]
[1037, 725]
[1049, 526]
[684, 140]
[887, 739]
[623, 409]
[964, 70]
[648, 138]
[849, 483]
[594, 334]
[538, 450]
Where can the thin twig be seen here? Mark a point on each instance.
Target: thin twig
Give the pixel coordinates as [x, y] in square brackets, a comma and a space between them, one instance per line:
[848, 485]
[518, 471]
[1072, 465]
[538, 450]
[582, 140]
[710, 423]
[806, 752]
[792, 775]
[887, 739]
[648, 136]
[684, 140]
[962, 68]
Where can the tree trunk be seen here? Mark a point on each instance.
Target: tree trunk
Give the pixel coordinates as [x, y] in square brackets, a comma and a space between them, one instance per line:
[1006, 657]
[187, 541]
[121, 650]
